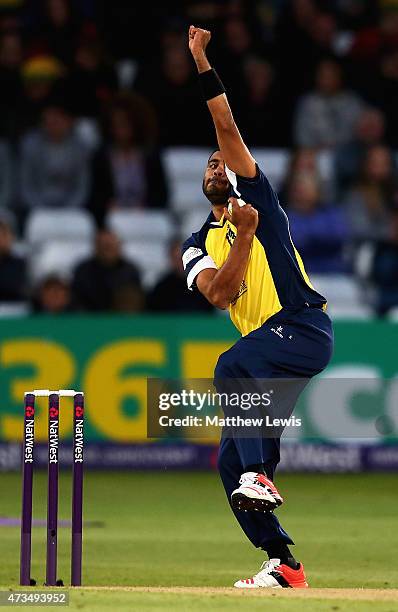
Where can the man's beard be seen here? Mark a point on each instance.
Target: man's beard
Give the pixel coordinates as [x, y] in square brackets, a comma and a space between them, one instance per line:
[215, 195]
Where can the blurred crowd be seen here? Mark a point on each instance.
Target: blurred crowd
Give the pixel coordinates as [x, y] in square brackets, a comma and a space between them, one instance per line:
[92, 92]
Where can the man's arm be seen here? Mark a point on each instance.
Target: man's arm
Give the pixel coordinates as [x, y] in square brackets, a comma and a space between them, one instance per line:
[220, 287]
[234, 151]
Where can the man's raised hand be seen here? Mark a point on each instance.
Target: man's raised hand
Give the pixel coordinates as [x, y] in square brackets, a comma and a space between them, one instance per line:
[198, 41]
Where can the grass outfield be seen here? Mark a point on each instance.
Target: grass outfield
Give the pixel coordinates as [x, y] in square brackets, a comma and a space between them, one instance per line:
[149, 533]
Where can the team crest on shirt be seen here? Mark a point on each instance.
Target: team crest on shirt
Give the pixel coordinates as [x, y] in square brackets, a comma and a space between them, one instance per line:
[242, 290]
[230, 235]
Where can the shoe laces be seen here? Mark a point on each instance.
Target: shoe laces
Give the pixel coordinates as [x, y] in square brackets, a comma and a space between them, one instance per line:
[248, 477]
[269, 565]
[266, 568]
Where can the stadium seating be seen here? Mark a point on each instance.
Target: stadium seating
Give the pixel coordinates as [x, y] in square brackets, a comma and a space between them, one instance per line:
[58, 258]
[57, 240]
[141, 225]
[150, 258]
[344, 296]
[45, 225]
[185, 167]
[145, 235]
[193, 221]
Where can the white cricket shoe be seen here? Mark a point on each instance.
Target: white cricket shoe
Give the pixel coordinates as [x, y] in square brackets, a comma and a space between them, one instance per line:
[256, 492]
[275, 575]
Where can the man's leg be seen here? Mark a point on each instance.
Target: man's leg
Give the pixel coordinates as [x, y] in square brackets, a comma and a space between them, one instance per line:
[250, 450]
[260, 528]
[260, 454]
[301, 349]
[232, 366]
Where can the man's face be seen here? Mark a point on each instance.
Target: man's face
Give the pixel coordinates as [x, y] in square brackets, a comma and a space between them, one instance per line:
[6, 239]
[57, 124]
[107, 247]
[216, 186]
[121, 128]
[54, 296]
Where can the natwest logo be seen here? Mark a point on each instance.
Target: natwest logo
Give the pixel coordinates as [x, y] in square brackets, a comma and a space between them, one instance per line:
[53, 412]
[79, 411]
[29, 411]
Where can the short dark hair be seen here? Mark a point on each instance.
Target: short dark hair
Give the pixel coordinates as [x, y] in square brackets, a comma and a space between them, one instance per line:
[212, 153]
[53, 280]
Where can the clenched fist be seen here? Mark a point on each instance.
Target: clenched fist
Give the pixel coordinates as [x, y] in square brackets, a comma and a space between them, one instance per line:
[198, 41]
[245, 218]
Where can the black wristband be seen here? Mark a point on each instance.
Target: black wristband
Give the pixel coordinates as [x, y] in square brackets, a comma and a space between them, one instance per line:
[211, 84]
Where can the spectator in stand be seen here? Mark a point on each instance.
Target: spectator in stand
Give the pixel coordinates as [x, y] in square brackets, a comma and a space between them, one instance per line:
[374, 65]
[388, 92]
[124, 26]
[310, 34]
[356, 15]
[60, 29]
[371, 60]
[327, 116]
[54, 165]
[170, 293]
[320, 231]
[52, 296]
[302, 161]
[92, 80]
[239, 59]
[41, 75]
[384, 269]
[373, 195]
[238, 44]
[127, 299]
[238, 38]
[11, 56]
[173, 89]
[6, 176]
[259, 106]
[128, 172]
[294, 24]
[323, 31]
[369, 131]
[99, 281]
[12, 268]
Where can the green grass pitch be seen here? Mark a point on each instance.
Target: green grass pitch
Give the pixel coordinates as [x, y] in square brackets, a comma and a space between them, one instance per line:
[170, 530]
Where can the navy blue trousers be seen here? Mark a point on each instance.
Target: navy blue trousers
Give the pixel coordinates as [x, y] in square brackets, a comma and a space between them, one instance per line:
[291, 345]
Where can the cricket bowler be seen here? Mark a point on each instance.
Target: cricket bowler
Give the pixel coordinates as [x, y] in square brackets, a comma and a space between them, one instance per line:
[243, 259]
